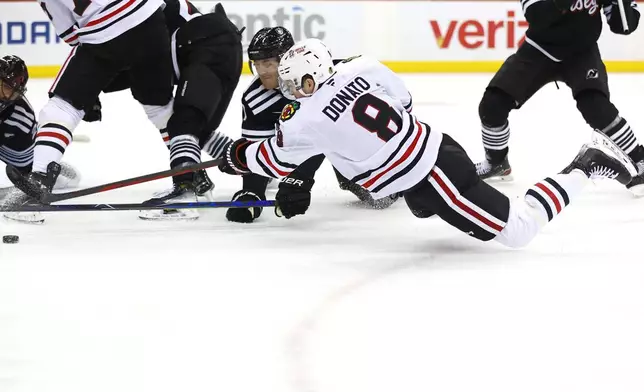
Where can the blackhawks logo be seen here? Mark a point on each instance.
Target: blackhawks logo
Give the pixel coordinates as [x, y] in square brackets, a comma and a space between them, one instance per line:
[289, 110]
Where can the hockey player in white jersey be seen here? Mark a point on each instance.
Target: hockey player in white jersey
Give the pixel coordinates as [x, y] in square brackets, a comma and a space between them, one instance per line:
[108, 36]
[262, 104]
[353, 113]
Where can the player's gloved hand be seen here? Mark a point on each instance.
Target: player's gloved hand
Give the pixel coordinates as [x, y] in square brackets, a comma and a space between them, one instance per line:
[293, 196]
[93, 113]
[245, 215]
[234, 160]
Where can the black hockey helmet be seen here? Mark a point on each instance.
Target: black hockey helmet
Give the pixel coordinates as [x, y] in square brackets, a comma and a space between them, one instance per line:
[270, 42]
[13, 74]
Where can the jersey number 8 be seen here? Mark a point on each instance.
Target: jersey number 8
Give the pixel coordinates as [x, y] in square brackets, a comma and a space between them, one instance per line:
[80, 6]
[376, 116]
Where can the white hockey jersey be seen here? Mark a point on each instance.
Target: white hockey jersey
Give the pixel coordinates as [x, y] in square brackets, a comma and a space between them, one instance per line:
[359, 119]
[96, 21]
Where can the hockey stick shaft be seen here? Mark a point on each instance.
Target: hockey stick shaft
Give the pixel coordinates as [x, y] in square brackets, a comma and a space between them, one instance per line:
[54, 197]
[137, 206]
[622, 14]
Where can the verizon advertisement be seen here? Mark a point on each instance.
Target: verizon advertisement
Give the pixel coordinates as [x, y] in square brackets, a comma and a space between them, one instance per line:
[410, 35]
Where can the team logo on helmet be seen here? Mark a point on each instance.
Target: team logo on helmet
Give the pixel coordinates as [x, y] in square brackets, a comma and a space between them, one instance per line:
[289, 110]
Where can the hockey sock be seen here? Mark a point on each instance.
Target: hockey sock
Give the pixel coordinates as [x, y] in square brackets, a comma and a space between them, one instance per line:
[495, 141]
[58, 118]
[216, 144]
[621, 133]
[165, 136]
[551, 195]
[184, 149]
[51, 142]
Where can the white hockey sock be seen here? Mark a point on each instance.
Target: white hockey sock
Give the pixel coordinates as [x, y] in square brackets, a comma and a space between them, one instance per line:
[542, 202]
[58, 119]
[553, 194]
[495, 138]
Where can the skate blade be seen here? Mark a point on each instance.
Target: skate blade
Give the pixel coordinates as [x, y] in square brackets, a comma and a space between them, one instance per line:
[506, 178]
[603, 143]
[30, 218]
[169, 215]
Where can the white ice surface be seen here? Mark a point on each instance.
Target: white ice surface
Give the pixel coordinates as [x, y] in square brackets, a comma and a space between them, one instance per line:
[342, 299]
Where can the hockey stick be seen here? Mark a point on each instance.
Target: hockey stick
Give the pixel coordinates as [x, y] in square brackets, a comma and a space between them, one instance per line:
[622, 14]
[137, 206]
[54, 197]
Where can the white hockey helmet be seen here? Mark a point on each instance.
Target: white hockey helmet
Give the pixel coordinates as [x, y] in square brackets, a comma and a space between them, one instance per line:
[308, 58]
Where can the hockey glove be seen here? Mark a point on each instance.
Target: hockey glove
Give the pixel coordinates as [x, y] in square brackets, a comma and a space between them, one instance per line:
[234, 160]
[93, 113]
[245, 215]
[293, 196]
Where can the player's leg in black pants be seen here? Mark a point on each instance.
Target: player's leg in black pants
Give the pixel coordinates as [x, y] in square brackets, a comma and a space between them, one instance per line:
[455, 193]
[210, 69]
[520, 76]
[586, 75]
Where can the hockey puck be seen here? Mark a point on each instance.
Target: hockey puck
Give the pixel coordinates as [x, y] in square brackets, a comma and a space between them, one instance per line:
[10, 239]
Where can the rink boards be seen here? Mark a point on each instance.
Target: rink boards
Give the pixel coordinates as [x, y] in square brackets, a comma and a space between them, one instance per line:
[409, 36]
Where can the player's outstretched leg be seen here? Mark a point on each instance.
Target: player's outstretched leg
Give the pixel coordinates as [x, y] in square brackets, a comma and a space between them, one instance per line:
[454, 192]
[547, 198]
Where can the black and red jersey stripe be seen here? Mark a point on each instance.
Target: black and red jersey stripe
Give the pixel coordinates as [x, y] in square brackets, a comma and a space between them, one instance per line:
[420, 133]
[276, 167]
[122, 12]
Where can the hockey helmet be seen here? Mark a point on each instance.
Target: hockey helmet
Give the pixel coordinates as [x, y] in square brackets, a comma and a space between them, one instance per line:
[270, 42]
[13, 80]
[307, 59]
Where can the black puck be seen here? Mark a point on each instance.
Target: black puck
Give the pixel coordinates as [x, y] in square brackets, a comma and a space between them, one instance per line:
[10, 239]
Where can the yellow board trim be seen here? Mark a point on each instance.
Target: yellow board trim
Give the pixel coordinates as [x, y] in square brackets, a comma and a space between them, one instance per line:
[50, 71]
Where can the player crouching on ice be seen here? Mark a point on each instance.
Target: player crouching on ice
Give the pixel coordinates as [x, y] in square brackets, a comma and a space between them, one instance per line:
[353, 114]
[17, 133]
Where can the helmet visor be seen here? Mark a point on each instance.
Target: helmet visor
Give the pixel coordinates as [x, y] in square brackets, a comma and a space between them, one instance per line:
[9, 94]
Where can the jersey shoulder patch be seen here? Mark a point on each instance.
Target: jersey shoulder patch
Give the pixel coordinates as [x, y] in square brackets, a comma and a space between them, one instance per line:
[289, 110]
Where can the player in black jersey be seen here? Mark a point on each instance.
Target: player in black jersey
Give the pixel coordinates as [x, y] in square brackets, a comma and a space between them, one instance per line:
[208, 62]
[18, 131]
[560, 45]
[207, 56]
[17, 118]
[262, 104]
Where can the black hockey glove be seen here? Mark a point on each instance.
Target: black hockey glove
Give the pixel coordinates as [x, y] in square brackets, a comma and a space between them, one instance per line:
[293, 196]
[234, 160]
[245, 215]
[93, 113]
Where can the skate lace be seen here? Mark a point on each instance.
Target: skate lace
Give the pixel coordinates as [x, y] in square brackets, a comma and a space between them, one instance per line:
[483, 167]
[602, 172]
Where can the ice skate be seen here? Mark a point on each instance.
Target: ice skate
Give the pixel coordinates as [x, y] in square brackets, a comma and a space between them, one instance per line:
[602, 159]
[182, 192]
[494, 171]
